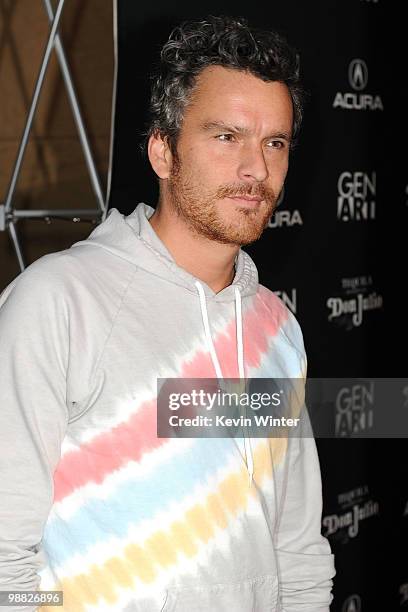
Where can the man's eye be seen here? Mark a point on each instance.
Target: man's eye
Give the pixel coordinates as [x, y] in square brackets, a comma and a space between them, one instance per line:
[276, 144]
[225, 137]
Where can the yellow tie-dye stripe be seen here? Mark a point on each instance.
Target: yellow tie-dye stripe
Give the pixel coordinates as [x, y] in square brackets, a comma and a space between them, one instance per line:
[162, 549]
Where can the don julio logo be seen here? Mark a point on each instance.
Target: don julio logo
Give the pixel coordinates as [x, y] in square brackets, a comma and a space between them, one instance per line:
[350, 520]
[356, 196]
[354, 506]
[358, 80]
[347, 310]
[354, 307]
[352, 604]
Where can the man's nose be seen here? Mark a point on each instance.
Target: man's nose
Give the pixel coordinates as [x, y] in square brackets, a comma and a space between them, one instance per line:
[252, 165]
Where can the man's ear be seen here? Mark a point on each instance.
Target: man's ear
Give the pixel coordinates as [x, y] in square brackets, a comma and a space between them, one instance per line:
[159, 154]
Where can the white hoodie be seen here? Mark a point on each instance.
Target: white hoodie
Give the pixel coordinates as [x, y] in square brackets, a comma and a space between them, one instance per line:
[92, 501]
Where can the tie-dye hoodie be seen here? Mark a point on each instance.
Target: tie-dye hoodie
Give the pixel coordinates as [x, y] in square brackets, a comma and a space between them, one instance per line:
[92, 501]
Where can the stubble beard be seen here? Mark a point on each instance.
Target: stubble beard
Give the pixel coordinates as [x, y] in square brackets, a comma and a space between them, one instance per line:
[201, 214]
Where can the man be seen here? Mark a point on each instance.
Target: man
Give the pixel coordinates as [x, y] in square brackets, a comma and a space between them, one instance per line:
[92, 501]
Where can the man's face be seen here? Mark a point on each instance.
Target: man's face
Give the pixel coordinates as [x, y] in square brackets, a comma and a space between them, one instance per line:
[232, 155]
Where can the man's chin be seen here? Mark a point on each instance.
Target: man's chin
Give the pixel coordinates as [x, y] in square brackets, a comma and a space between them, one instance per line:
[245, 226]
[243, 236]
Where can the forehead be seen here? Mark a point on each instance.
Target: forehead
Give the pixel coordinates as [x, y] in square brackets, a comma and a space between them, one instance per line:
[227, 93]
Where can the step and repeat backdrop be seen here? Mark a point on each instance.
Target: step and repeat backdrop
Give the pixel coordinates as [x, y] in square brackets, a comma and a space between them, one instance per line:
[333, 251]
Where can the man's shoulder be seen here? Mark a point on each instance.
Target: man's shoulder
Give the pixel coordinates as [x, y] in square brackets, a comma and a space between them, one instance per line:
[42, 275]
[78, 269]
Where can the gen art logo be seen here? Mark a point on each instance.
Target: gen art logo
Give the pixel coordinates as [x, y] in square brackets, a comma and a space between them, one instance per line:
[288, 298]
[356, 193]
[354, 409]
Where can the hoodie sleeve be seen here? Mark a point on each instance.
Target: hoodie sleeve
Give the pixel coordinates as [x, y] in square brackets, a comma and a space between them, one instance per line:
[33, 419]
[305, 562]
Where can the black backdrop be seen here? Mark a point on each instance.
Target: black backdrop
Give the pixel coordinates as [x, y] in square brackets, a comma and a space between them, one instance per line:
[337, 241]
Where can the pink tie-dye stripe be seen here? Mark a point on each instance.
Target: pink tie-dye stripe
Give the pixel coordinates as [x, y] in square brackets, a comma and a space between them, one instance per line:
[129, 441]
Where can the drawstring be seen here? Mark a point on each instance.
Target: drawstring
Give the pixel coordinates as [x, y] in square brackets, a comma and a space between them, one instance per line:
[210, 342]
[240, 354]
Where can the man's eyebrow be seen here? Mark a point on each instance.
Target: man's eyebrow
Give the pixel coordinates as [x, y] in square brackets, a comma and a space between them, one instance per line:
[221, 125]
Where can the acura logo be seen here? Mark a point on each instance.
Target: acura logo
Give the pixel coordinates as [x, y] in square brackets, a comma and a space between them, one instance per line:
[358, 74]
[352, 604]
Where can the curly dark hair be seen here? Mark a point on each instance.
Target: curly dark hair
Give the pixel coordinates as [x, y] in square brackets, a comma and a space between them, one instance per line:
[223, 41]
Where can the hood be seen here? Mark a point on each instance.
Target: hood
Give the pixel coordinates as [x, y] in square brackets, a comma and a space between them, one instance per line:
[133, 238]
[118, 232]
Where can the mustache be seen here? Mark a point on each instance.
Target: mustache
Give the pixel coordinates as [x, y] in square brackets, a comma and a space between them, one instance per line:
[231, 191]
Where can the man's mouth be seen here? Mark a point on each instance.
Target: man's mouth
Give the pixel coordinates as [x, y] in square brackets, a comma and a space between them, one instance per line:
[247, 200]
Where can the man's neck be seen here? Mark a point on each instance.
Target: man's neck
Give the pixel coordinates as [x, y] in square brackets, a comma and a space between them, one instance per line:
[207, 260]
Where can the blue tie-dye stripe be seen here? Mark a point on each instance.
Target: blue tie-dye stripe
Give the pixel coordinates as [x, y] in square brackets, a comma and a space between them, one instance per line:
[141, 498]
